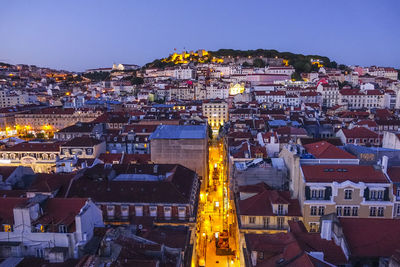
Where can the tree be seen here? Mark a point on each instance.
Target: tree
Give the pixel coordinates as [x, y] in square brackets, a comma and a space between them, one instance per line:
[258, 63]
[246, 64]
[398, 74]
[137, 80]
[40, 135]
[296, 76]
[97, 76]
[210, 132]
[342, 67]
[334, 65]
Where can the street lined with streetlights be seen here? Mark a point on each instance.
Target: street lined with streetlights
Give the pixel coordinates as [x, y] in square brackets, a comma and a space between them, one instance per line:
[216, 239]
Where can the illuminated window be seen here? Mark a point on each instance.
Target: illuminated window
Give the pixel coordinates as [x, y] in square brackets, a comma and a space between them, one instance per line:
[139, 210]
[125, 211]
[167, 212]
[153, 211]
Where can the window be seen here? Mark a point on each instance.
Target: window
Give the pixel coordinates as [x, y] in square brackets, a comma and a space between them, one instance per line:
[62, 228]
[355, 211]
[321, 210]
[182, 213]
[339, 211]
[167, 212]
[376, 194]
[313, 211]
[398, 192]
[348, 194]
[317, 194]
[260, 255]
[281, 222]
[346, 211]
[313, 227]
[266, 221]
[381, 211]
[39, 253]
[125, 211]
[372, 211]
[139, 210]
[8, 227]
[280, 209]
[153, 211]
[252, 220]
[110, 211]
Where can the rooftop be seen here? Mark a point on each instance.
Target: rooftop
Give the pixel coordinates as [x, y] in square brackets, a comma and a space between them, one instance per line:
[341, 173]
[179, 132]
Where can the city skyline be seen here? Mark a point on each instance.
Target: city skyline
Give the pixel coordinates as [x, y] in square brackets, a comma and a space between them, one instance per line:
[75, 36]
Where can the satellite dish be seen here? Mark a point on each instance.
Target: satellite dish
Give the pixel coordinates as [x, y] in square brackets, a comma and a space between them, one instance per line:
[140, 227]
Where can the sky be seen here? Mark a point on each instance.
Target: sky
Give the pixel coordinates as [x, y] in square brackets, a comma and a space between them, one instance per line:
[77, 35]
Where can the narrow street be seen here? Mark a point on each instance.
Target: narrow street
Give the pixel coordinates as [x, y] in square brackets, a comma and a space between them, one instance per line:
[216, 236]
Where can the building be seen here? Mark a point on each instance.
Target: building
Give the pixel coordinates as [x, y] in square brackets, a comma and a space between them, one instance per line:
[79, 129]
[55, 229]
[41, 157]
[359, 136]
[128, 193]
[295, 248]
[367, 242]
[125, 67]
[263, 210]
[357, 99]
[347, 190]
[330, 94]
[391, 140]
[184, 73]
[9, 99]
[83, 148]
[216, 112]
[270, 141]
[55, 118]
[181, 144]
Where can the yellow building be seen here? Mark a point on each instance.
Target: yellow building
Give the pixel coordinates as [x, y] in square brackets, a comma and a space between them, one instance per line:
[216, 112]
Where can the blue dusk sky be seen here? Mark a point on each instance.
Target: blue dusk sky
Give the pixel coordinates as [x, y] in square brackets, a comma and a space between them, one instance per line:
[76, 35]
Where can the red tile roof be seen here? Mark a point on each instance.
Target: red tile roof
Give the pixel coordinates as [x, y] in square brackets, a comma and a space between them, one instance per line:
[111, 158]
[35, 147]
[288, 130]
[341, 173]
[325, 150]
[175, 188]
[6, 208]
[82, 142]
[359, 132]
[136, 158]
[293, 249]
[61, 211]
[394, 174]
[261, 203]
[371, 237]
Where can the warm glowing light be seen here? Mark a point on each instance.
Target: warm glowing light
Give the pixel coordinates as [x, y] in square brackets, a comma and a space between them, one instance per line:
[236, 89]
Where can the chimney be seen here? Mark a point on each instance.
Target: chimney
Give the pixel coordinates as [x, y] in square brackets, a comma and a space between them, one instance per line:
[326, 229]
[254, 258]
[385, 160]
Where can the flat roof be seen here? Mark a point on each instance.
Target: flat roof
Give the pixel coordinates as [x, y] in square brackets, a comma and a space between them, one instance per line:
[179, 132]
